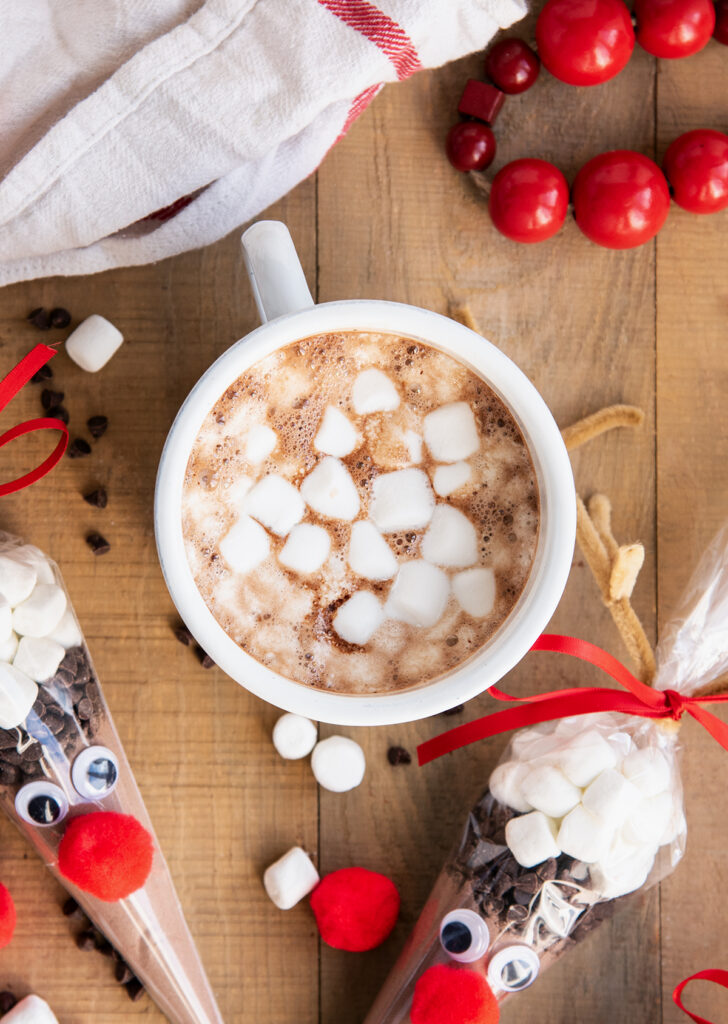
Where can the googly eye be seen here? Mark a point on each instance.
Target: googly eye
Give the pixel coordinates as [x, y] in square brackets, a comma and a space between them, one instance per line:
[513, 968]
[95, 772]
[464, 935]
[41, 803]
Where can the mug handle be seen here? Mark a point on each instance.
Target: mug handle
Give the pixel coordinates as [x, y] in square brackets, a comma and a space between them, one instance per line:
[275, 271]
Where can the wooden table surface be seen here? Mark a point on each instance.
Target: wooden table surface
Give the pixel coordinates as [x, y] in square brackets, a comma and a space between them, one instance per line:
[387, 217]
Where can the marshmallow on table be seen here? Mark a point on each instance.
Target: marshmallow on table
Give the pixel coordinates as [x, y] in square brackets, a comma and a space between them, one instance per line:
[18, 693]
[451, 433]
[329, 490]
[451, 540]
[39, 657]
[419, 594]
[245, 545]
[39, 614]
[583, 836]
[547, 789]
[358, 619]
[260, 441]
[306, 549]
[585, 756]
[649, 819]
[294, 736]
[611, 797]
[17, 579]
[531, 838]
[402, 500]
[447, 479]
[67, 632]
[275, 503]
[338, 764]
[474, 590]
[93, 343]
[505, 785]
[336, 435]
[373, 391]
[369, 554]
[648, 769]
[31, 1010]
[290, 878]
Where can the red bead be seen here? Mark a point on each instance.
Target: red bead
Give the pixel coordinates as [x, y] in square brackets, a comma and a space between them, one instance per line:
[512, 65]
[696, 165]
[620, 199]
[470, 146]
[674, 28]
[584, 42]
[720, 32]
[481, 100]
[529, 200]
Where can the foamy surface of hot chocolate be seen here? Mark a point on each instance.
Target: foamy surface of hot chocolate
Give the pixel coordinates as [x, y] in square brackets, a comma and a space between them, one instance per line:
[406, 548]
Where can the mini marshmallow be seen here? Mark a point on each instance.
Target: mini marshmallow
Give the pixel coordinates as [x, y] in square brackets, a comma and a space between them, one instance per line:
[531, 839]
[649, 819]
[31, 1010]
[93, 343]
[336, 435]
[585, 756]
[369, 554]
[505, 785]
[451, 433]
[524, 740]
[419, 594]
[358, 619]
[18, 693]
[9, 647]
[67, 632]
[6, 619]
[38, 561]
[294, 736]
[306, 548]
[245, 545]
[17, 579]
[610, 797]
[329, 490]
[414, 445]
[677, 825]
[649, 770]
[448, 479]
[583, 836]
[275, 503]
[402, 500]
[474, 591]
[373, 391]
[39, 614]
[259, 443]
[290, 878]
[450, 540]
[622, 745]
[338, 764]
[622, 872]
[39, 657]
[548, 790]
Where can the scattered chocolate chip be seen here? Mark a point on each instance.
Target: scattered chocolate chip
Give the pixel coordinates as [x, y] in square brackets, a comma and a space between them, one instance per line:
[7, 1002]
[78, 448]
[398, 755]
[122, 973]
[40, 319]
[98, 544]
[59, 317]
[134, 989]
[455, 710]
[97, 425]
[86, 941]
[204, 658]
[97, 498]
[70, 907]
[61, 413]
[44, 373]
[183, 635]
[51, 400]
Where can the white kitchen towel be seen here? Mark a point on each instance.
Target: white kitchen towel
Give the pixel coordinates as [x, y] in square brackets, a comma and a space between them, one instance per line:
[114, 109]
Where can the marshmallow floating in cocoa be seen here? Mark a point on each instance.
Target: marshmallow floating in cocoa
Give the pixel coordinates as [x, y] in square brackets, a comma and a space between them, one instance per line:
[329, 490]
[358, 619]
[338, 764]
[474, 590]
[294, 736]
[39, 657]
[448, 479]
[92, 344]
[373, 391]
[419, 594]
[18, 693]
[450, 540]
[245, 545]
[17, 579]
[275, 503]
[369, 554]
[336, 435]
[31, 1010]
[451, 433]
[40, 613]
[401, 500]
[260, 441]
[290, 878]
[306, 549]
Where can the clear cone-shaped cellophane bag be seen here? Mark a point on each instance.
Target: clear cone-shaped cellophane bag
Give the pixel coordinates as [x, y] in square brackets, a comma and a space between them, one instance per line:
[579, 815]
[61, 757]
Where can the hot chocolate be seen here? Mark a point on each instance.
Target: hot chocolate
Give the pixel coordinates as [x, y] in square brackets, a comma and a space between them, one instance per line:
[360, 512]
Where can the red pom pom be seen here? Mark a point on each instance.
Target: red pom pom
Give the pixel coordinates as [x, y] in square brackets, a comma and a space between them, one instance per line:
[106, 854]
[8, 917]
[355, 909]
[453, 995]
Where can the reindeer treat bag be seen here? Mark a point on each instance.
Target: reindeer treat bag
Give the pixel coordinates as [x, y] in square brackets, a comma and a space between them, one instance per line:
[66, 783]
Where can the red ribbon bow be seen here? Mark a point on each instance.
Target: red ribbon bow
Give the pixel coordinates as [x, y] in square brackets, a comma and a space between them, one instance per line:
[639, 699]
[9, 387]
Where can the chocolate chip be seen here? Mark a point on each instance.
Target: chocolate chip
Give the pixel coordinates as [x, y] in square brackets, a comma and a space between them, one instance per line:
[522, 898]
[78, 448]
[204, 658]
[51, 400]
[547, 871]
[40, 319]
[70, 907]
[398, 755]
[98, 544]
[33, 753]
[503, 884]
[12, 757]
[97, 498]
[9, 775]
[59, 317]
[86, 941]
[43, 373]
[97, 426]
[134, 989]
[529, 883]
[61, 413]
[7, 1002]
[84, 709]
[183, 635]
[516, 914]
[455, 711]
[122, 973]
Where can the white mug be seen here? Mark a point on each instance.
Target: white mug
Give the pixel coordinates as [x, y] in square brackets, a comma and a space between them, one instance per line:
[288, 314]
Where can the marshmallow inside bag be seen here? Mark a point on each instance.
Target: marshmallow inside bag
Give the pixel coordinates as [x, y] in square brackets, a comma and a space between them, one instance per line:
[67, 632]
[275, 503]
[17, 579]
[260, 441]
[336, 435]
[39, 657]
[329, 490]
[290, 878]
[547, 789]
[585, 756]
[306, 548]
[448, 479]
[245, 545]
[611, 797]
[649, 819]
[531, 838]
[6, 619]
[583, 836]
[38, 561]
[624, 869]
[9, 647]
[31, 1010]
[402, 500]
[474, 590]
[39, 614]
[18, 693]
[92, 344]
[451, 433]
[373, 391]
[358, 619]
[506, 785]
[648, 769]
[294, 736]
[338, 764]
[419, 594]
[451, 540]
[369, 554]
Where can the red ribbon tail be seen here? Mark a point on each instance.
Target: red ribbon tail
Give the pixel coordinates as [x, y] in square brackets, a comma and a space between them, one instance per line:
[720, 977]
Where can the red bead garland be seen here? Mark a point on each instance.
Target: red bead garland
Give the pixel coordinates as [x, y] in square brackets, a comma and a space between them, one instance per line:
[674, 28]
[584, 42]
[696, 165]
[529, 200]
